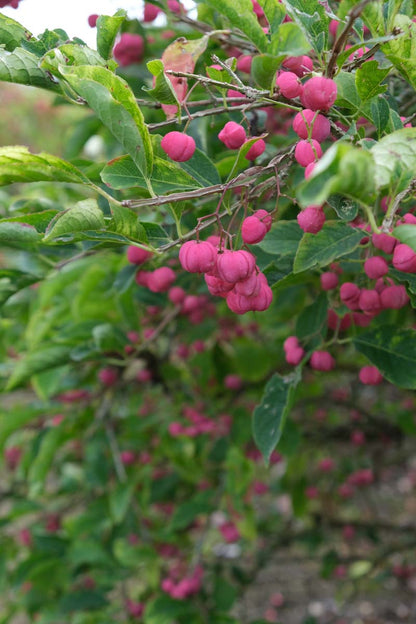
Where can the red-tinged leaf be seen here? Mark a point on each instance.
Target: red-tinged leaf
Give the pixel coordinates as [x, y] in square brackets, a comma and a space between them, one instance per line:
[181, 56]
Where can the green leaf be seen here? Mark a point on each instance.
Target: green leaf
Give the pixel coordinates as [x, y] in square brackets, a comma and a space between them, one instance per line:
[406, 234]
[380, 114]
[39, 220]
[333, 241]
[126, 222]
[311, 16]
[165, 610]
[290, 40]
[241, 16]
[42, 359]
[401, 51]
[395, 159]
[119, 501]
[313, 318]
[186, 512]
[270, 416]
[107, 29]
[263, 69]
[283, 238]
[22, 67]
[393, 351]
[368, 79]
[12, 33]
[274, 12]
[70, 54]
[202, 169]
[162, 90]
[114, 103]
[345, 208]
[85, 215]
[167, 176]
[20, 233]
[41, 464]
[347, 94]
[224, 593]
[108, 337]
[342, 169]
[21, 416]
[17, 164]
[82, 600]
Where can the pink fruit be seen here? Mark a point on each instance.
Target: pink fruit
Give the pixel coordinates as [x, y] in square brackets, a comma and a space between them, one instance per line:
[350, 295]
[233, 382]
[303, 121]
[289, 85]
[311, 219]
[376, 267]
[300, 65]
[370, 375]
[244, 63]
[322, 361]
[232, 135]
[127, 457]
[217, 286]
[294, 356]
[235, 266]
[12, 456]
[175, 6]
[150, 12]
[230, 532]
[176, 295]
[137, 255]
[160, 280]
[326, 464]
[92, 20]
[394, 297]
[290, 343]
[404, 258]
[231, 93]
[256, 150]
[369, 301]
[307, 151]
[384, 242]
[249, 287]
[129, 49]
[309, 170]
[257, 8]
[253, 230]
[197, 257]
[178, 146]
[265, 217]
[334, 321]
[409, 218]
[264, 298]
[108, 376]
[329, 280]
[319, 93]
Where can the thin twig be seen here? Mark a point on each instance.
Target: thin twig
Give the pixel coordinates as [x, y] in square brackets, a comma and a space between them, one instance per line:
[340, 41]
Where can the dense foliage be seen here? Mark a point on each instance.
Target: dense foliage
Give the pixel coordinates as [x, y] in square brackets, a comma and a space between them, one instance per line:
[207, 308]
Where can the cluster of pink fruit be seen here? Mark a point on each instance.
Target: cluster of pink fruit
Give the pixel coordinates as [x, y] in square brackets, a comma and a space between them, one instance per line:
[232, 275]
[200, 424]
[184, 587]
[319, 360]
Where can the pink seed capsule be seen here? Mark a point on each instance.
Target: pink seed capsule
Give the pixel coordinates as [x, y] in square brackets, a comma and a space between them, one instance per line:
[404, 258]
[232, 135]
[307, 152]
[136, 255]
[178, 146]
[322, 361]
[311, 219]
[319, 93]
[376, 267]
[235, 266]
[253, 230]
[300, 65]
[306, 119]
[197, 257]
[370, 375]
[289, 85]
[350, 295]
[256, 150]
